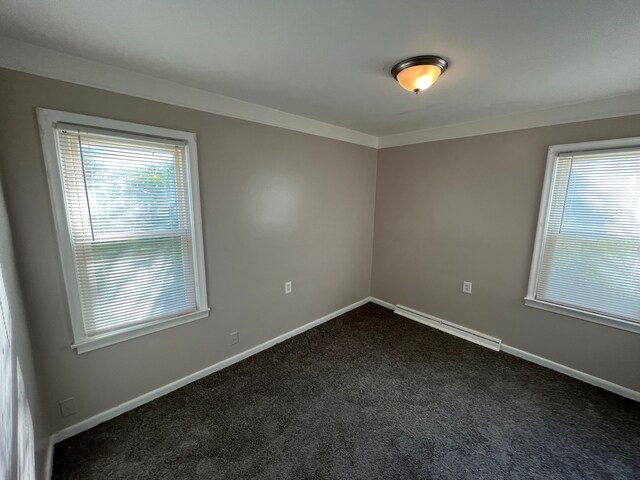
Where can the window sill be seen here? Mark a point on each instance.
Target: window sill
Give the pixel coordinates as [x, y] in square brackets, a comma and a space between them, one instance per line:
[111, 338]
[584, 315]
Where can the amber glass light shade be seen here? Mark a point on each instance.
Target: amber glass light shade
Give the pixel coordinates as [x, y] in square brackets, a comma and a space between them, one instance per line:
[421, 77]
[419, 73]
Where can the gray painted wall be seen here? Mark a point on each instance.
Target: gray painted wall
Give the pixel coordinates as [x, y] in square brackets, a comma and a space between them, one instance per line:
[277, 205]
[280, 205]
[21, 354]
[466, 209]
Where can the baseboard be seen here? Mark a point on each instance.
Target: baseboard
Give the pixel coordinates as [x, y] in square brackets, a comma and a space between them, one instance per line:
[450, 327]
[382, 303]
[158, 392]
[585, 377]
[477, 337]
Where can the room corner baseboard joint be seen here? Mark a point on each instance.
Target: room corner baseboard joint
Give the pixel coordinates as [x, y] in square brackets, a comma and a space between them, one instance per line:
[382, 303]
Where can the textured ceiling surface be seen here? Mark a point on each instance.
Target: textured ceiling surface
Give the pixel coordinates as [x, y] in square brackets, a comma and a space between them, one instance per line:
[329, 60]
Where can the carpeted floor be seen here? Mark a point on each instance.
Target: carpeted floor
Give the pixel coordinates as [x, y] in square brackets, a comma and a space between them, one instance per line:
[368, 395]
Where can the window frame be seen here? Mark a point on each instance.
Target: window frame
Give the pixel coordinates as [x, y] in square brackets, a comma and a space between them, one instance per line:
[543, 216]
[82, 343]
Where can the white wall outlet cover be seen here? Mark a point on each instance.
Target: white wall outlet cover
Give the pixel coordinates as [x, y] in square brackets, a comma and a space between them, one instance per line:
[235, 338]
[68, 407]
[466, 287]
[288, 287]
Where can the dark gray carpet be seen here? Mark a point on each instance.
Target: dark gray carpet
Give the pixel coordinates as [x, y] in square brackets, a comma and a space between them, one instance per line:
[368, 395]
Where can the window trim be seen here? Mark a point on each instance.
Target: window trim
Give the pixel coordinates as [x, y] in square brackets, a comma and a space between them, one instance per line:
[47, 120]
[530, 299]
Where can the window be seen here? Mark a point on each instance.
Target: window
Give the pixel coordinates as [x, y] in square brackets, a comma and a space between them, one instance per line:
[126, 205]
[586, 261]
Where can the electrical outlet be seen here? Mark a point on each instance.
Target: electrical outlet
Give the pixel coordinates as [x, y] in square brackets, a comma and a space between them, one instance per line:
[466, 287]
[235, 338]
[288, 288]
[68, 407]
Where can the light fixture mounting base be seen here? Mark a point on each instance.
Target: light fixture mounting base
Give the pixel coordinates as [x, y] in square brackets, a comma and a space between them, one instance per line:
[419, 60]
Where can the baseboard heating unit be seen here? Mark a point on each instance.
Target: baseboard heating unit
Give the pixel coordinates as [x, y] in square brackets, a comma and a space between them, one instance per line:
[449, 327]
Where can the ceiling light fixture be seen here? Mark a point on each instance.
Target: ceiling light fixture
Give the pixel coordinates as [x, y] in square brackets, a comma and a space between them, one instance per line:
[416, 74]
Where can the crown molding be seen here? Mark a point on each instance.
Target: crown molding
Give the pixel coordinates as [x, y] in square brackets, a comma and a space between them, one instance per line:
[25, 57]
[577, 112]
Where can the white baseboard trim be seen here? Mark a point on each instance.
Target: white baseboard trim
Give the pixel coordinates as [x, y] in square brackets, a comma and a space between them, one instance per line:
[170, 387]
[476, 337]
[382, 303]
[450, 327]
[585, 377]
[443, 325]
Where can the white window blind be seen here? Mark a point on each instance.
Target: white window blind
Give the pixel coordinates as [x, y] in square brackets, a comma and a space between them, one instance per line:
[128, 210]
[589, 258]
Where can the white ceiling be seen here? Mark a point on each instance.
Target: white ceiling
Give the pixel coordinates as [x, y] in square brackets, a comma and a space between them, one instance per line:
[329, 60]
